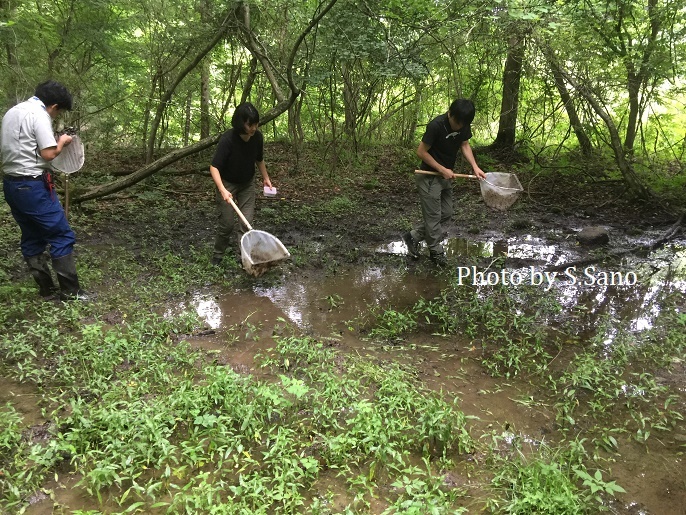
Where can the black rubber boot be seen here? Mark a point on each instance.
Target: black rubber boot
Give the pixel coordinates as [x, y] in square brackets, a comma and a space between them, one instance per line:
[38, 266]
[412, 245]
[65, 268]
[438, 258]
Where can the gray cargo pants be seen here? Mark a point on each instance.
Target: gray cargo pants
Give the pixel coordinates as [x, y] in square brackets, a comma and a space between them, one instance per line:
[244, 197]
[436, 199]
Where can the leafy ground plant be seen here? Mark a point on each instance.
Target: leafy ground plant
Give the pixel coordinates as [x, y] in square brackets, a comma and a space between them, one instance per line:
[547, 481]
[181, 434]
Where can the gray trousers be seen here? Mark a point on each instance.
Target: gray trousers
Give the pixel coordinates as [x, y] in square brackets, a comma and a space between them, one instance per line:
[244, 197]
[436, 199]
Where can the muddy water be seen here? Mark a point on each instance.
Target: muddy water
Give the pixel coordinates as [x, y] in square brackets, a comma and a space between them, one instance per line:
[24, 398]
[332, 307]
[315, 306]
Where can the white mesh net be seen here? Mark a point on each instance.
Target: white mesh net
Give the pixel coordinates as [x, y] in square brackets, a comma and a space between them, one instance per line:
[500, 190]
[71, 158]
[260, 250]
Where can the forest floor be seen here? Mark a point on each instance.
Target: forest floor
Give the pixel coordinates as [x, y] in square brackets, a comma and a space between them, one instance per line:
[347, 203]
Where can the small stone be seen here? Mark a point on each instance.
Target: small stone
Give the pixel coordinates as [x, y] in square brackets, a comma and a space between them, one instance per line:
[593, 236]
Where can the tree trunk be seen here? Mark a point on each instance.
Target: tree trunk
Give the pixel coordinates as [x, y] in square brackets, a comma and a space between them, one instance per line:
[584, 141]
[8, 11]
[350, 97]
[637, 79]
[148, 170]
[295, 128]
[412, 116]
[187, 125]
[166, 97]
[505, 140]
[252, 76]
[205, 78]
[205, 99]
[628, 173]
[172, 157]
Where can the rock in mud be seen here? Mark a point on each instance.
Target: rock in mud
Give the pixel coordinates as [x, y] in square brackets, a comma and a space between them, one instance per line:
[593, 236]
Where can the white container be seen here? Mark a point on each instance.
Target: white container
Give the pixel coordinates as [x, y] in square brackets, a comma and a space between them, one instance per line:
[269, 192]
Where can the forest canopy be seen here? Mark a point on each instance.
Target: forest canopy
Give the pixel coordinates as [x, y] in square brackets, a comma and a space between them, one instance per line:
[549, 79]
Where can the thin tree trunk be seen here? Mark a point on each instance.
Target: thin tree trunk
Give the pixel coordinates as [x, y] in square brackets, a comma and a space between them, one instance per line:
[632, 180]
[350, 97]
[295, 128]
[637, 79]
[252, 76]
[410, 127]
[205, 99]
[8, 12]
[166, 97]
[187, 125]
[506, 137]
[205, 79]
[584, 141]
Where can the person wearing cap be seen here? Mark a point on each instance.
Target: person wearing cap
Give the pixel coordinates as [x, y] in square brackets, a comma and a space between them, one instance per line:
[27, 146]
[445, 135]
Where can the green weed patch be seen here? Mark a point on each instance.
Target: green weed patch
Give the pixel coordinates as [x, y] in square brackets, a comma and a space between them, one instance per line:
[146, 424]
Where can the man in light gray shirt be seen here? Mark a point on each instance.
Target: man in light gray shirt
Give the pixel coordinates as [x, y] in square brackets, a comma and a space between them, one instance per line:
[27, 146]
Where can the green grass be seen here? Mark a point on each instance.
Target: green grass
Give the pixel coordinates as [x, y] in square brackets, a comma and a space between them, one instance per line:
[609, 392]
[547, 482]
[147, 423]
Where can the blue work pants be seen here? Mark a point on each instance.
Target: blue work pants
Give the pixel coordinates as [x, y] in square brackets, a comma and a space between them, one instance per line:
[37, 210]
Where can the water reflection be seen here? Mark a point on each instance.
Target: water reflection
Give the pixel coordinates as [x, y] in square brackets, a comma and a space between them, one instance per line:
[208, 309]
[528, 248]
[323, 302]
[663, 273]
[536, 249]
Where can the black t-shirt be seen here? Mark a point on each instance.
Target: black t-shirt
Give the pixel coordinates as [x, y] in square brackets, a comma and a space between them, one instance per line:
[235, 159]
[443, 142]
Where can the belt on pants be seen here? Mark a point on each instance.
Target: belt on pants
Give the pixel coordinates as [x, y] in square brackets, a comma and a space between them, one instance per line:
[23, 178]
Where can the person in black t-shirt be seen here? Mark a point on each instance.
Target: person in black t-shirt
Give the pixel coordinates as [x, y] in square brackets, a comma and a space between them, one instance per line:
[233, 172]
[445, 135]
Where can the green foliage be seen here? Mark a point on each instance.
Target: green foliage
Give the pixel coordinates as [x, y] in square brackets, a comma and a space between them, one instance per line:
[147, 423]
[422, 493]
[596, 484]
[10, 433]
[22, 465]
[392, 324]
[338, 206]
[368, 73]
[507, 323]
[596, 384]
[547, 481]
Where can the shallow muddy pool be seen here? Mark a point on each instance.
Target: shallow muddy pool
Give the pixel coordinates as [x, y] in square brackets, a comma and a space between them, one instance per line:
[241, 323]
